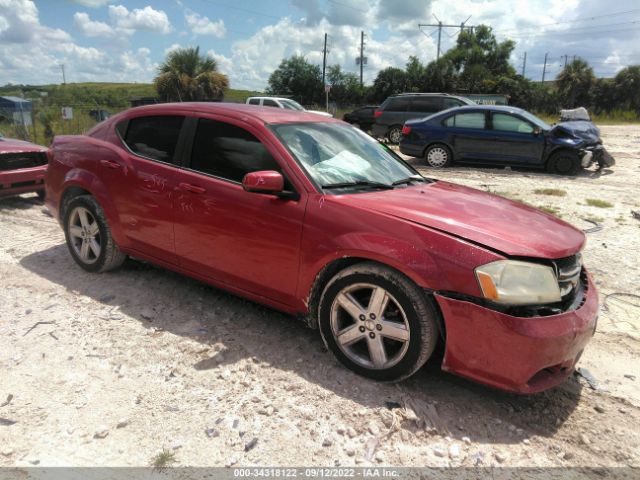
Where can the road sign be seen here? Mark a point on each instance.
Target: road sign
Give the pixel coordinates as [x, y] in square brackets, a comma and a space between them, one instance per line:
[327, 88]
[67, 113]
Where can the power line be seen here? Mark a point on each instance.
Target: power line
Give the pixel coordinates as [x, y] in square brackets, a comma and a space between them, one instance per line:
[579, 19]
[566, 30]
[441, 25]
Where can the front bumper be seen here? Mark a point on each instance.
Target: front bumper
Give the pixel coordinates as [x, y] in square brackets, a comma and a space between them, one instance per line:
[518, 354]
[15, 182]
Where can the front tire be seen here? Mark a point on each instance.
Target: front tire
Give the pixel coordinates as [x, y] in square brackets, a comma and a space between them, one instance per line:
[88, 236]
[377, 322]
[563, 162]
[438, 156]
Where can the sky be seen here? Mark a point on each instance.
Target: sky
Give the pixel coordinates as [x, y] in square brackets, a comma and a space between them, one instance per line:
[126, 40]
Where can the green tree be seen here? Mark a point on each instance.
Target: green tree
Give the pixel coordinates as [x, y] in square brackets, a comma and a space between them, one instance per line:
[298, 78]
[415, 72]
[185, 75]
[345, 86]
[389, 81]
[627, 85]
[478, 57]
[574, 84]
[440, 76]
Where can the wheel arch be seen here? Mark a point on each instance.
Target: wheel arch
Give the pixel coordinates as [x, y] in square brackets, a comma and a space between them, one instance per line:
[559, 149]
[333, 267]
[439, 142]
[82, 182]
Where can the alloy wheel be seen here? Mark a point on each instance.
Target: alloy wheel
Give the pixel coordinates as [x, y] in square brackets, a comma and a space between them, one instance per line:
[84, 233]
[369, 326]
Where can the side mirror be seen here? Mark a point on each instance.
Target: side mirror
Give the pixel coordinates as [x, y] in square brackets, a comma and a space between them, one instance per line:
[536, 131]
[264, 181]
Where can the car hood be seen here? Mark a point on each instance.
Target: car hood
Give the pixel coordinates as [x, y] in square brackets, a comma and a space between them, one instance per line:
[578, 128]
[490, 220]
[12, 145]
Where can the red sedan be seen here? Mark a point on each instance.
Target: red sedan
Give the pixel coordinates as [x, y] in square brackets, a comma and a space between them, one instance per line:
[22, 167]
[313, 217]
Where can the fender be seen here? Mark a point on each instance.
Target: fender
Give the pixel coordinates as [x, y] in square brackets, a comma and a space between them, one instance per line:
[411, 259]
[90, 182]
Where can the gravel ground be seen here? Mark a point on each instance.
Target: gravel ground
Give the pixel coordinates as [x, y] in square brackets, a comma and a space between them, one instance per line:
[113, 369]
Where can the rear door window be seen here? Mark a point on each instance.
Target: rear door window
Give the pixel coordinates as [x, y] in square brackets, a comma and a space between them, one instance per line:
[154, 137]
[426, 104]
[267, 102]
[254, 101]
[398, 104]
[466, 120]
[228, 151]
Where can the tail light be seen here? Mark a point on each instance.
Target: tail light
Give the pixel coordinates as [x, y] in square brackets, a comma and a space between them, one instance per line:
[406, 130]
[377, 113]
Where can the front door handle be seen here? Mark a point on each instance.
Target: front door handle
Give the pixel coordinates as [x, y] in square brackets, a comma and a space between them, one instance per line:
[109, 164]
[192, 188]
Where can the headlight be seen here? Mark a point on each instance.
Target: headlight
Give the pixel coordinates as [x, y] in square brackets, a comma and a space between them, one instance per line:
[512, 282]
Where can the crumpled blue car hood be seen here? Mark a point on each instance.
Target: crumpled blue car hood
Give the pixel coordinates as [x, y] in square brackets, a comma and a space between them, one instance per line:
[579, 128]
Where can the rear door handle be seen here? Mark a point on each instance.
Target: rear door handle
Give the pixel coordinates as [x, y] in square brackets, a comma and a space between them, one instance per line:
[192, 188]
[109, 164]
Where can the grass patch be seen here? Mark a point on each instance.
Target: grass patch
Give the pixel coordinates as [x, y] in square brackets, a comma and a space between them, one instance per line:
[596, 202]
[509, 195]
[554, 192]
[549, 209]
[163, 459]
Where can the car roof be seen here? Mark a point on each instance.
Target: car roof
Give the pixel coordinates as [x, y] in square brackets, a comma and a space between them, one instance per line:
[491, 108]
[237, 110]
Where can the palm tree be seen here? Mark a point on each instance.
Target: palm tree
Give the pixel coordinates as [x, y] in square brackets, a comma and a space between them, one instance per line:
[185, 76]
[575, 82]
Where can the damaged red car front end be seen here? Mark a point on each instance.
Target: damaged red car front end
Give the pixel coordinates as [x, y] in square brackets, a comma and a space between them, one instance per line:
[22, 167]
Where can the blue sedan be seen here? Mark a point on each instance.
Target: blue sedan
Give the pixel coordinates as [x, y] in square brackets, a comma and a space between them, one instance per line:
[498, 135]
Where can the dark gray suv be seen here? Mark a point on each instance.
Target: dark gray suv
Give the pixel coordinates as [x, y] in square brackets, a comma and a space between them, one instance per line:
[397, 109]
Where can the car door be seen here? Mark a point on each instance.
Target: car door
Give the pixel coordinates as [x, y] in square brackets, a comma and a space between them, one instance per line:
[515, 139]
[249, 241]
[143, 188]
[469, 136]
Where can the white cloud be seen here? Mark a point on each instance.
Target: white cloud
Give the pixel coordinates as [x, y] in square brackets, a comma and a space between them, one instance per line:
[171, 48]
[201, 25]
[146, 19]
[92, 3]
[91, 28]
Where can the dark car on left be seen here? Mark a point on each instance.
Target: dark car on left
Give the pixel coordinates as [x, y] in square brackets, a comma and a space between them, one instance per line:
[500, 135]
[362, 117]
[22, 167]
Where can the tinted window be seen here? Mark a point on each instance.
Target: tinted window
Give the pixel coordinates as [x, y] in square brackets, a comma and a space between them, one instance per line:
[398, 104]
[509, 123]
[426, 104]
[228, 151]
[452, 102]
[254, 101]
[154, 137]
[269, 103]
[466, 120]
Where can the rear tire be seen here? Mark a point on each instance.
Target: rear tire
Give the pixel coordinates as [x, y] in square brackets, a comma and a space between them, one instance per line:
[88, 236]
[377, 322]
[438, 156]
[395, 134]
[563, 162]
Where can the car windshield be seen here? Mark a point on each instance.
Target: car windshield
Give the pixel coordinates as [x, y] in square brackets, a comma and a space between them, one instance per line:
[291, 105]
[535, 120]
[340, 156]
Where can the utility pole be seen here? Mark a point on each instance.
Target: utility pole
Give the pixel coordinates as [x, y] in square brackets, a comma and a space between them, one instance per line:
[439, 37]
[64, 79]
[361, 56]
[324, 59]
[441, 25]
[524, 64]
[565, 59]
[544, 69]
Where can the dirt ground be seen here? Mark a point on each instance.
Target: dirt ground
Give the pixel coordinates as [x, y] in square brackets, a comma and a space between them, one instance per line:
[113, 369]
